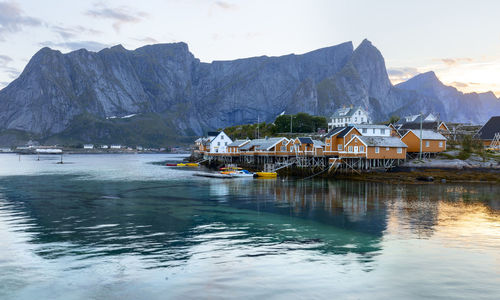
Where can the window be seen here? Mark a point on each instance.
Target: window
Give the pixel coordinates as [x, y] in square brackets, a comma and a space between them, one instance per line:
[377, 150]
[225, 143]
[400, 150]
[218, 143]
[362, 119]
[350, 148]
[387, 149]
[355, 119]
[221, 137]
[440, 144]
[427, 143]
[352, 136]
[373, 130]
[382, 131]
[361, 148]
[365, 130]
[359, 112]
[339, 147]
[283, 148]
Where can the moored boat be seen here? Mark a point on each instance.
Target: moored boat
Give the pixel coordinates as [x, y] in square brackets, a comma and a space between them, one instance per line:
[267, 174]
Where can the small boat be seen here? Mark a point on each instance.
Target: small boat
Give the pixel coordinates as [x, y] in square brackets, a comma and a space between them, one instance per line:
[192, 164]
[242, 173]
[213, 175]
[181, 165]
[267, 174]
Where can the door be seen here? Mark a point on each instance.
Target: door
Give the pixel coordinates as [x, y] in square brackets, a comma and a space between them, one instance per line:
[355, 148]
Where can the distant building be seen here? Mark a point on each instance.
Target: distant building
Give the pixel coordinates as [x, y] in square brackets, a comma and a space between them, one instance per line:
[375, 147]
[104, 147]
[88, 146]
[489, 134]
[432, 142]
[235, 146]
[116, 146]
[219, 143]
[348, 116]
[139, 148]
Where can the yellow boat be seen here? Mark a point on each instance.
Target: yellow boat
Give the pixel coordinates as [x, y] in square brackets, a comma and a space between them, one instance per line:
[192, 164]
[267, 174]
[181, 165]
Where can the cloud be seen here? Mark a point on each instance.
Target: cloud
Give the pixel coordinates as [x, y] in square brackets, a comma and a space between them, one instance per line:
[73, 32]
[4, 60]
[459, 84]
[225, 5]
[6, 69]
[148, 40]
[120, 15]
[75, 45]
[12, 19]
[397, 75]
[455, 61]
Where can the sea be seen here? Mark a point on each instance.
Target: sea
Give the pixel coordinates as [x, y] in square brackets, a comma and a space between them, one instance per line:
[125, 226]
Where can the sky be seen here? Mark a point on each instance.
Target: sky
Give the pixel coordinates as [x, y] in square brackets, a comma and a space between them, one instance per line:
[459, 40]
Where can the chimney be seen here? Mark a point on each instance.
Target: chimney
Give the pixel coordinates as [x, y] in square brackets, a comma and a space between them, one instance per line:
[352, 106]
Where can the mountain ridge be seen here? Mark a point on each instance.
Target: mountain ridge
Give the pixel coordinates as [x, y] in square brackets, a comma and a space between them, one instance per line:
[169, 82]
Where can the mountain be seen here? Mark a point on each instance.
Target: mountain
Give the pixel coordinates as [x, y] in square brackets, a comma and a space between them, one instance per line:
[160, 94]
[471, 107]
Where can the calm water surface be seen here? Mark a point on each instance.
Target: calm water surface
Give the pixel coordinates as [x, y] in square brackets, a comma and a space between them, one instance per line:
[122, 227]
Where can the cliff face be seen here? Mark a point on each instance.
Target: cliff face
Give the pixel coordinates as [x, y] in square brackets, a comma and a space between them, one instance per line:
[167, 82]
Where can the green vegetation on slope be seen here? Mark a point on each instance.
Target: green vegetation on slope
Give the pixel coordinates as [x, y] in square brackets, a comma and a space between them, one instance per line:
[299, 123]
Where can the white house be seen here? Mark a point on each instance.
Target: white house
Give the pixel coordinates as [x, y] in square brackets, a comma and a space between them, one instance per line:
[219, 143]
[373, 130]
[349, 116]
[88, 146]
[116, 146]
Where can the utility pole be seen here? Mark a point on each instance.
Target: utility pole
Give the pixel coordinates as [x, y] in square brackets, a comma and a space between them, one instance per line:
[258, 121]
[421, 119]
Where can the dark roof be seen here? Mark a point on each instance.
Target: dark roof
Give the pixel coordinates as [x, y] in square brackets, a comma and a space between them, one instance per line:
[306, 140]
[341, 131]
[345, 131]
[334, 131]
[416, 125]
[487, 132]
[213, 133]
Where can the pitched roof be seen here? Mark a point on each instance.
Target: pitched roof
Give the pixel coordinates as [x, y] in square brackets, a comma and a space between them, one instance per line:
[238, 143]
[361, 126]
[345, 112]
[487, 132]
[334, 131]
[262, 144]
[213, 133]
[345, 131]
[416, 125]
[427, 135]
[318, 144]
[379, 141]
[306, 140]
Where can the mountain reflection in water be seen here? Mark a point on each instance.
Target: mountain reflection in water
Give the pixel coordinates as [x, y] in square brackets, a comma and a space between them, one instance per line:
[68, 228]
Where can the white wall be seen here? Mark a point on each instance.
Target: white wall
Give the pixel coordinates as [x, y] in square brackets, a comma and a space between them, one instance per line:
[219, 143]
[374, 131]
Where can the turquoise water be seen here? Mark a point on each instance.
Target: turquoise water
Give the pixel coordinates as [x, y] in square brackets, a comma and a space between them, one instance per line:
[122, 227]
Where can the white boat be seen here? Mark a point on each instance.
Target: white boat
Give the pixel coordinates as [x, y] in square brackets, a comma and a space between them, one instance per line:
[242, 173]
